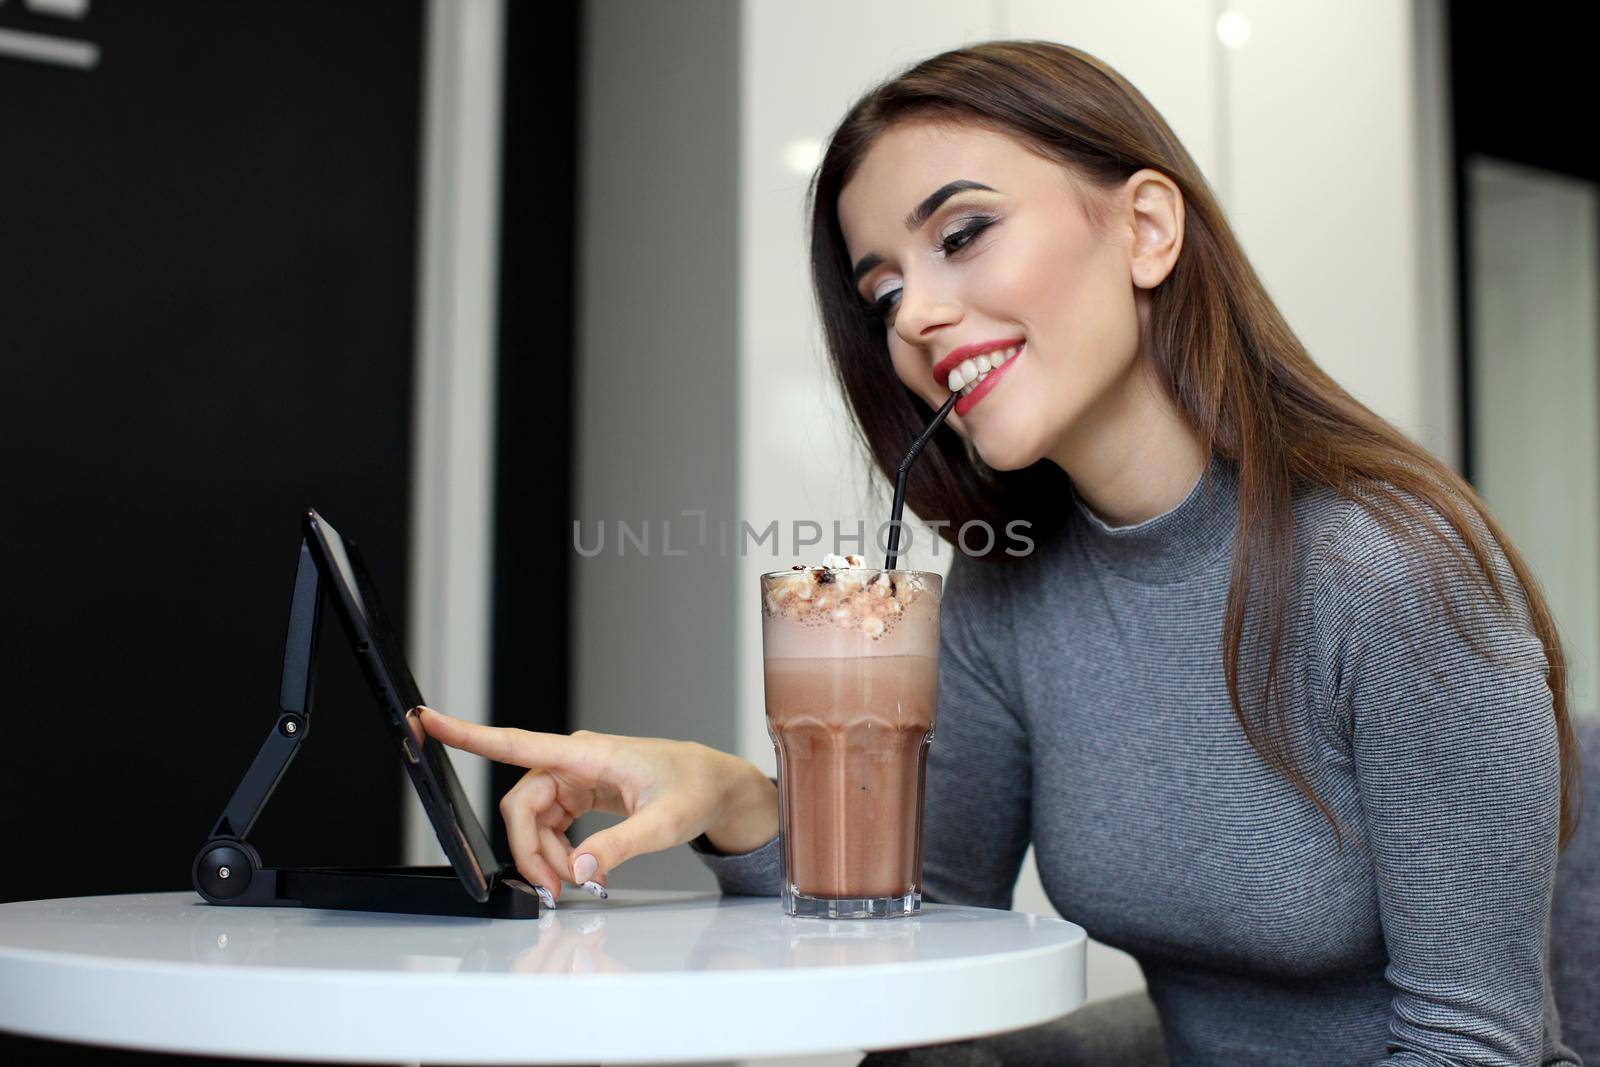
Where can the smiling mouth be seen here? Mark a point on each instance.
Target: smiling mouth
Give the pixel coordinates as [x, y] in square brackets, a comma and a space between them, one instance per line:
[965, 378]
[972, 393]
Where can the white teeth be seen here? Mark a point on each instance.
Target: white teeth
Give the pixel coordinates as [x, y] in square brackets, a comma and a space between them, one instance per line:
[972, 371]
[966, 377]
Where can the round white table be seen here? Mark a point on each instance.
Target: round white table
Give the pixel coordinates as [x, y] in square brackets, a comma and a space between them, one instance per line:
[645, 977]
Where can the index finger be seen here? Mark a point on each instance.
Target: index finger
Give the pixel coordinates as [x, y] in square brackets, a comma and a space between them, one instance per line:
[503, 744]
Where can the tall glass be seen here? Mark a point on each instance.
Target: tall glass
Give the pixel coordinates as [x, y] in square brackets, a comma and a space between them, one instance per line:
[852, 674]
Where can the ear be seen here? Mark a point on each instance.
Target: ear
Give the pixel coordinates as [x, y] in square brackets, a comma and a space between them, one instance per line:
[1155, 211]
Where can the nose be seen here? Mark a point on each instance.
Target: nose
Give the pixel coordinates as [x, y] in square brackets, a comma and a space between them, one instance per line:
[923, 312]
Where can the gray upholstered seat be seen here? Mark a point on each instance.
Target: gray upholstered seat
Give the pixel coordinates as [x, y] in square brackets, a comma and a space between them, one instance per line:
[1575, 919]
[1120, 1030]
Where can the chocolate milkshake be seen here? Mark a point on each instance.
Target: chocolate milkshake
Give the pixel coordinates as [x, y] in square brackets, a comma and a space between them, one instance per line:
[851, 662]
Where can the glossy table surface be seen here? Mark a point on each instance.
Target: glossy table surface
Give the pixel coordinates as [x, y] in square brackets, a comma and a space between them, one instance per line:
[645, 977]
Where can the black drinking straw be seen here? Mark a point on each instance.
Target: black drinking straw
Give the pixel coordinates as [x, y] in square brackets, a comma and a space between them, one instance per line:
[900, 480]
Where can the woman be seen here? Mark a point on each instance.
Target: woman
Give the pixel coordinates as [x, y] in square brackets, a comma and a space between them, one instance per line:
[1279, 706]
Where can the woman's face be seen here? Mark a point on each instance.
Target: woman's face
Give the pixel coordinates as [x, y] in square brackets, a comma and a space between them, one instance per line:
[1017, 266]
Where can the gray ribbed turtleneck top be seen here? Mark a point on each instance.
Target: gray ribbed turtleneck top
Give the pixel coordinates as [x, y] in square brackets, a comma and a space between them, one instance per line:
[1083, 708]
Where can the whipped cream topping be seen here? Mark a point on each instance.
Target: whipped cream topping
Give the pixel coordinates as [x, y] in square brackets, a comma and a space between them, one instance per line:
[843, 592]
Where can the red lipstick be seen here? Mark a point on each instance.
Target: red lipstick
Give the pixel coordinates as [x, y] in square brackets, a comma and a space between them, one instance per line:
[942, 369]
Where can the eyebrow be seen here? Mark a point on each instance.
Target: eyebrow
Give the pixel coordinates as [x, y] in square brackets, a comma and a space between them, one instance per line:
[918, 216]
[939, 196]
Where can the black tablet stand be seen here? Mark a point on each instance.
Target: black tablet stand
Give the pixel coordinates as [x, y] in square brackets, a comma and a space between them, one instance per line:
[229, 871]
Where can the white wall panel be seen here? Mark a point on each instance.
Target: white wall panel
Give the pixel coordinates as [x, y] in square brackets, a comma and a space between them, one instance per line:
[1323, 187]
[1164, 47]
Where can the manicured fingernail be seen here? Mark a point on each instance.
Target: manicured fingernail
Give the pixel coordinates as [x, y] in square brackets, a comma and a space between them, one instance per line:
[544, 896]
[596, 888]
[583, 867]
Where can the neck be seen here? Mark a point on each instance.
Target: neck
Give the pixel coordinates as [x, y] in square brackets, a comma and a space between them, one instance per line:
[1135, 456]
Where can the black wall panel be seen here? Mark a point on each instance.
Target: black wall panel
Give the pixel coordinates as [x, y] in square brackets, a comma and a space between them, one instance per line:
[533, 484]
[207, 297]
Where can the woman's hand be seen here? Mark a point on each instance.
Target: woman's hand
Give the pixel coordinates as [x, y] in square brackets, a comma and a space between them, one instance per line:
[670, 792]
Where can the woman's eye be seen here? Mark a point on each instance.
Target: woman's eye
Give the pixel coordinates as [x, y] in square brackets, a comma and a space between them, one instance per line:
[880, 309]
[955, 242]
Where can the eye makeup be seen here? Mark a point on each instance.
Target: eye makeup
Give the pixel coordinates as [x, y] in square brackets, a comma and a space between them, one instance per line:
[949, 245]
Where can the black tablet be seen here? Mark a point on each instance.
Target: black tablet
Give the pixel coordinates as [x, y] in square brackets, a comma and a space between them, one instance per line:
[378, 648]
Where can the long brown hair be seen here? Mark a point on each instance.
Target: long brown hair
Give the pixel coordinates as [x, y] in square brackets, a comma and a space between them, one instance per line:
[1221, 349]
